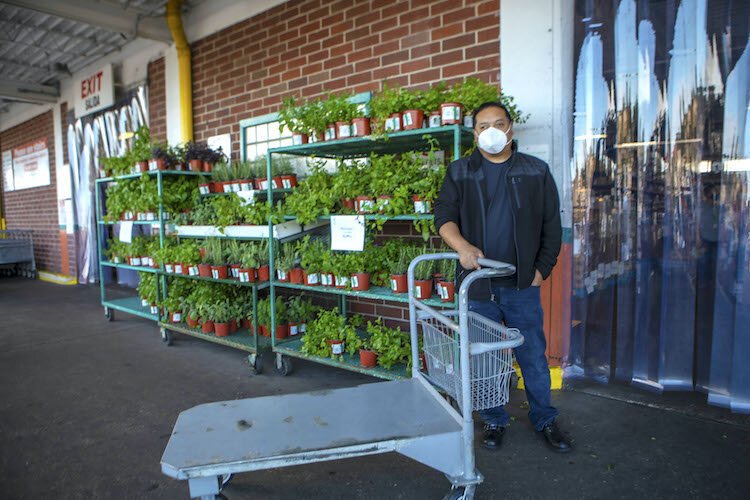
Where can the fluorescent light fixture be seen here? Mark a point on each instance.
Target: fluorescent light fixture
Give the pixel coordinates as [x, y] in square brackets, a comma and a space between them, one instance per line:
[737, 165]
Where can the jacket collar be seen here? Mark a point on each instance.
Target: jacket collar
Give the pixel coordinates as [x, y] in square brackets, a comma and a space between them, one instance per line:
[475, 159]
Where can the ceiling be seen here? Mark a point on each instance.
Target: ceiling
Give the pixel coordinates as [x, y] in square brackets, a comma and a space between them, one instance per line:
[43, 41]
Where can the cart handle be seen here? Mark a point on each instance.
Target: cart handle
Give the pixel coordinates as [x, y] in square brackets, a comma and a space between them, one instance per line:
[514, 340]
[496, 265]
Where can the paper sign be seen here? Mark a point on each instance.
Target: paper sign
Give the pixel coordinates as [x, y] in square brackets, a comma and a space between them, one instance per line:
[126, 231]
[348, 232]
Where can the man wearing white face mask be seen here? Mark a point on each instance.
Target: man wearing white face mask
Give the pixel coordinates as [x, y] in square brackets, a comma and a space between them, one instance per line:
[502, 204]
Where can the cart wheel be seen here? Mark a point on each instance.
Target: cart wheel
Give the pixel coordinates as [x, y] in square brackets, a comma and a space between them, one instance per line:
[256, 363]
[109, 314]
[166, 336]
[461, 493]
[225, 479]
[284, 366]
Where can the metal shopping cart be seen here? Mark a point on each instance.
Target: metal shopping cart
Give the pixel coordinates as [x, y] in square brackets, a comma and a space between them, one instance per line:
[470, 360]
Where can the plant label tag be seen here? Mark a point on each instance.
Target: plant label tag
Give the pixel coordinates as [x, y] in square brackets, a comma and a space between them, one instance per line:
[345, 131]
[135, 261]
[178, 268]
[408, 121]
[293, 330]
[303, 328]
[169, 268]
[235, 272]
[154, 310]
[144, 302]
[337, 348]
[193, 271]
[435, 121]
[313, 279]
[214, 274]
[355, 282]
[176, 317]
[394, 285]
[126, 232]
[418, 291]
[348, 232]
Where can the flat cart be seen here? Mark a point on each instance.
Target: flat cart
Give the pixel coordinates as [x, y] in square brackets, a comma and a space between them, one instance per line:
[17, 253]
[470, 360]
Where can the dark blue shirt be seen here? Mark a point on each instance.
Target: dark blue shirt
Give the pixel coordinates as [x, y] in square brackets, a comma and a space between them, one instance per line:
[499, 233]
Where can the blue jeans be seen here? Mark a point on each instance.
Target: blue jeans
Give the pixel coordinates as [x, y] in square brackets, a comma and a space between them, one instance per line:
[522, 309]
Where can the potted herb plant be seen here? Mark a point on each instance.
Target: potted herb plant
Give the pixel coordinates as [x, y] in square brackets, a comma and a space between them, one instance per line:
[264, 273]
[140, 152]
[248, 263]
[291, 117]
[161, 157]
[446, 284]
[423, 279]
[385, 109]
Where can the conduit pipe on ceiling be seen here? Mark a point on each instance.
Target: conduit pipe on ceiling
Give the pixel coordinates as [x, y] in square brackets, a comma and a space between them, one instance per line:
[174, 21]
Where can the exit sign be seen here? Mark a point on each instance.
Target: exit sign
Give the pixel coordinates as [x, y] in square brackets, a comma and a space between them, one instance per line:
[94, 91]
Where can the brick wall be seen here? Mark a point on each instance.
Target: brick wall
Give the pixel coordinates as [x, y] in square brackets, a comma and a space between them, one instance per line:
[307, 47]
[157, 100]
[35, 208]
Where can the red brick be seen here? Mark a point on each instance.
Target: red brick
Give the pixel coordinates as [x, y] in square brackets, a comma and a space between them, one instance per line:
[395, 57]
[424, 50]
[367, 64]
[359, 55]
[358, 79]
[464, 14]
[357, 33]
[394, 33]
[448, 31]
[446, 6]
[461, 69]
[386, 48]
[445, 58]
[414, 40]
[483, 50]
[486, 21]
[415, 65]
[413, 15]
[367, 42]
[430, 75]
[425, 25]
[488, 34]
[342, 71]
[459, 42]
[334, 62]
[491, 7]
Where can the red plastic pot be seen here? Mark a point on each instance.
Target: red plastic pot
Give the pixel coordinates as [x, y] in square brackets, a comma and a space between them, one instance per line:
[423, 289]
[235, 270]
[219, 272]
[293, 329]
[196, 165]
[282, 275]
[311, 279]
[192, 323]
[282, 332]
[207, 327]
[368, 359]
[337, 346]
[341, 281]
[175, 317]
[361, 127]
[364, 204]
[233, 326]
[330, 133]
[204, 270]
[393, 123]
[221, 329]
[326, 279]
[347, 203]
[382, 201]
[412, 119]
[421, 206]
[276, 182]
[447, 290]
[343, 130]
[246, 324]
[142, 166]
[435, 120]
[263, 330]
[399, 283]
[207, 167]
[264, 273]
[289, 181]
[451, 113]
[296, 276]
[360, 282]
[298, 139]
[246, 275]
[262, 182]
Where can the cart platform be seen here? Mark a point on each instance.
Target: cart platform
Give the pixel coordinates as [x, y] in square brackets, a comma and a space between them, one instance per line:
[220, 438]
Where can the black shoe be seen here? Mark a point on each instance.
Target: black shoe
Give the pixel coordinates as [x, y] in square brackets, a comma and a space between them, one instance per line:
[555, 438]
[493, 436]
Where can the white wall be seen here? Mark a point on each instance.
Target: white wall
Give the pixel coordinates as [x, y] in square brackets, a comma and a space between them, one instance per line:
[536, 68]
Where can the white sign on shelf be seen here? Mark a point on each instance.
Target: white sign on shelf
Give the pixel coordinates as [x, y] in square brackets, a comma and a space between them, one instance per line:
[8, 171]
[96, 91]
[223, 141]
[348, 232]
[126, 231]
[31, 165]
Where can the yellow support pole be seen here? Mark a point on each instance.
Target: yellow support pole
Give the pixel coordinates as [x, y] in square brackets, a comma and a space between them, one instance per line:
[174, 21]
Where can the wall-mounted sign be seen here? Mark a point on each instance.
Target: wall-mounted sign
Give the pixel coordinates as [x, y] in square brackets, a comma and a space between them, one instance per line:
[8, 184]
[96, 90]
[31, 165]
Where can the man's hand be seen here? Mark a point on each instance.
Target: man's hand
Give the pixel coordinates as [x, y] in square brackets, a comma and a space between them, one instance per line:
[537, 278]
[468, 255]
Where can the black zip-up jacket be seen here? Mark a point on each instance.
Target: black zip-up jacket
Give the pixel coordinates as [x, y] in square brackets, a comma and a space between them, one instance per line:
[535, 203]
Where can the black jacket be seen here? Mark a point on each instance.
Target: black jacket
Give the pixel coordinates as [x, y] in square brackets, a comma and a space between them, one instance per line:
[533, 194]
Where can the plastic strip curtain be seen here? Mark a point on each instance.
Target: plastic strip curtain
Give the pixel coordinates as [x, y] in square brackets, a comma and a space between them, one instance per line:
[660, 196]
[90, 138]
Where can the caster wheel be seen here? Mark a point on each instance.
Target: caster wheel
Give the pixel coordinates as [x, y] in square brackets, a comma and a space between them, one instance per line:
[109, 314]
[256, 363]
[284, 366]
[166, 336]
[460, 493]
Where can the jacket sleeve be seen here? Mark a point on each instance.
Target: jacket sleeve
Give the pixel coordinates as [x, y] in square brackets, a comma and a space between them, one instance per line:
[447, 205]
[551, 236]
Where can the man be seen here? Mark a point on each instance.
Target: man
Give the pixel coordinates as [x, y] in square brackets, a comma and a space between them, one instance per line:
[503, 205]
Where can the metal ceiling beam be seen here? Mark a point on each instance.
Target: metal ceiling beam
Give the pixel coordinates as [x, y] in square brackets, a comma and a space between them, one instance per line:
[60, 33]
[21, 91]
[105, 15]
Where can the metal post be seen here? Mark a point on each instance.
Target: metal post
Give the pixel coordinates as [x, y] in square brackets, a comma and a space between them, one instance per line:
[97, 218]
[160, 193]
[255, 316]
[271, 245]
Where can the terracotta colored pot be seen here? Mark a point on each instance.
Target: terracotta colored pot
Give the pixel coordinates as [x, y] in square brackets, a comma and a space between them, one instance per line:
[299, 139]
[296, 276]
[219, 272]
[337, 346]
[179, 268]
[263, 330]
[451, 113]
[221, 329]
[246, 323]
[412, 119]
[423, 289]
[246, 185]
[399, 283]
[192, 323]
[204, 270]
[393, 123]
[341, 281]
[368, 359]
[289, 181]
[447, 290]
[319, 137]
[282, 275]
[311, 279]
[246, 275]
[421, 206]
[364, 204]
[233, 326]
[276, 182]
[196, 165]
[206, 187]
[185, 269]
[207, 327]
[168, 268]
[293, 329]
[361, 127]
[224, 186]
[282, 332]
[343, 130]
[382, 201]
[326, 279]
[175, 317]
[261, 183]
[235, 270]
[347, 203]
[330, 133]
[207, 167]
[360, 282]
[264, 273]
[142, 166]
[435, 120]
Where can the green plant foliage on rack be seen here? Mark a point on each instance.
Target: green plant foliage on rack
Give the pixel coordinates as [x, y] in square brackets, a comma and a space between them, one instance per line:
[313, 197]
[392, 345]
[147, 288]
[231, 210]
[330, 325]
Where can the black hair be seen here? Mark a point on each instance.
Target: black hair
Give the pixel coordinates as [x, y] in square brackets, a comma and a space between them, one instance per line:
[490, 104]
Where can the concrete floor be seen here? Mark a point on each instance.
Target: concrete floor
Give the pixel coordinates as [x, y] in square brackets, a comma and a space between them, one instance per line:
[86, 409]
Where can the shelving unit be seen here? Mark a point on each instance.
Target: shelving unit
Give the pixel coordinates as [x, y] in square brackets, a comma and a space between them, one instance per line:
[450, 138]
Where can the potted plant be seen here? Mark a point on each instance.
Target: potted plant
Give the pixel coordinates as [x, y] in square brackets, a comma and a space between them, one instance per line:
[414, 103]
[423, 279]
[310, 253]
[385, 109]
[328, 335]
[291, 117]
[248, 264]
[221, 175]
[434, 97]
[233, 251]
[350, 179]
[358, 267]
[299, 312]
[471, 93]
[392, 345]
[285, 262]
[264, 317]
[284, 168]
[215, 257]
[161, 157]
[195, 154]
[397, 268]
[264, 273]
[220, 313]
[446, 284]
[147, 289]
[140, 152]
[340, 111]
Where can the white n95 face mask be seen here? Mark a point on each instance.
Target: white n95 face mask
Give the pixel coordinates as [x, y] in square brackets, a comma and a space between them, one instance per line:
[493, 140]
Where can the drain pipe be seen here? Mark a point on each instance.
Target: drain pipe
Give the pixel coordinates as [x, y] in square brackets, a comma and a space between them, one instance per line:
[174, 20]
